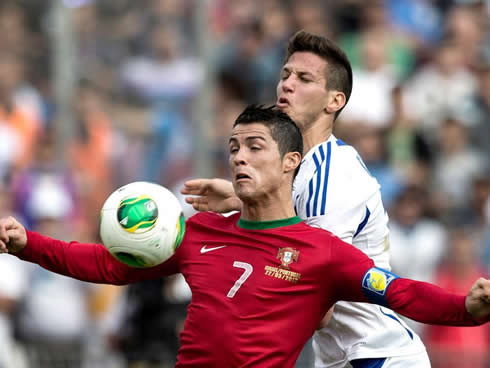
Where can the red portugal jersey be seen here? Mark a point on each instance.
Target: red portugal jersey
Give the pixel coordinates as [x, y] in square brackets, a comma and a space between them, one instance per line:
[259, 289]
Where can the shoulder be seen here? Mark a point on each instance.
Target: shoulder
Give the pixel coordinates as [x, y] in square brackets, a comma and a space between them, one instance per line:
[205, 225]
[313, 231]
[336, 168]
[348, 156]
[336, 155]
[211, 219]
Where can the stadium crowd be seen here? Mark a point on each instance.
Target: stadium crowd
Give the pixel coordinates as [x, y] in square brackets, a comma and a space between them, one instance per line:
[419, 116]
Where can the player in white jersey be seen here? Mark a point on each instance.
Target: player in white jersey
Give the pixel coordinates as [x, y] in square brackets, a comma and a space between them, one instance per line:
[334, 191]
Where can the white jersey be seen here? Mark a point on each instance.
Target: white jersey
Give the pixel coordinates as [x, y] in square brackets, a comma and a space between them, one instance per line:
[334, 191]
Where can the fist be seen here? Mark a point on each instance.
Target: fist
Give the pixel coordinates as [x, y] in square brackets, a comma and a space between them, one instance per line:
[13, 236]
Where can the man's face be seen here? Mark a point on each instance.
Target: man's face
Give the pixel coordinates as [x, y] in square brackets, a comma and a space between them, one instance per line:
[301, 91]
[255, 162]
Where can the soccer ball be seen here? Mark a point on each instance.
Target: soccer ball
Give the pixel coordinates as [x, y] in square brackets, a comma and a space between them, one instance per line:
[141, 224]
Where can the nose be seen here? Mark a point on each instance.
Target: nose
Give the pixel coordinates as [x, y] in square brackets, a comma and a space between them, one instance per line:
[287, 84]
[238, 158]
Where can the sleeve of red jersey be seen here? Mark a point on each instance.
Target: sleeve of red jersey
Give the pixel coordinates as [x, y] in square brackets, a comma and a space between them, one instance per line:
[356, 278]
[88, 262]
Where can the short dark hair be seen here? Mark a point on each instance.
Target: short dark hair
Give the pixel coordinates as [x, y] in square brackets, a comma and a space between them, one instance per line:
[339, 70]
[283, 129]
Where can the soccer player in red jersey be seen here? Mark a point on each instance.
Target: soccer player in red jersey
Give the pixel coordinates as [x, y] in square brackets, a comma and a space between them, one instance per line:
[261, 279]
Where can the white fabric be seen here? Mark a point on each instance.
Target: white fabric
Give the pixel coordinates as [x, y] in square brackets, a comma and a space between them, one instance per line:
[416, 252]
[424, 102]
[13, 285]
[55, 308]
[335, 191]
[50, 199]
[420, 360]
[10, 147]
[368, 105]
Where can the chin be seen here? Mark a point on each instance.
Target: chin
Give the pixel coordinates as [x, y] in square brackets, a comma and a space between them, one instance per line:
[244, 194]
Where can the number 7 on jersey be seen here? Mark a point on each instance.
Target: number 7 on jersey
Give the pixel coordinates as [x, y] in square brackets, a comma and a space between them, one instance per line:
[245, 275]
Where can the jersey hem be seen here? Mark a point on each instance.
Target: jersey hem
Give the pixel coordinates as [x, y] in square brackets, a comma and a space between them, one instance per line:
[375, 355]
[384, 353]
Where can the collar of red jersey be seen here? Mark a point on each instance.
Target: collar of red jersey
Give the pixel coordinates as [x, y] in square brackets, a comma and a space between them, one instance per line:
[264, 225]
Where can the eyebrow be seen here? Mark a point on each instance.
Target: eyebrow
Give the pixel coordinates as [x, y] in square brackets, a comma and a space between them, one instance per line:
[298, 72]
[305, 73]
[233, 139]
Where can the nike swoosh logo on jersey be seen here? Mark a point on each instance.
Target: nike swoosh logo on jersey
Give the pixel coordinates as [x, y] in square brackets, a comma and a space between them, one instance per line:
[204, 249]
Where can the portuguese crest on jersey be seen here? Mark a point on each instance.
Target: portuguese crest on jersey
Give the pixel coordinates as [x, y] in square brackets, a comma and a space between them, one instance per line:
[287, 256]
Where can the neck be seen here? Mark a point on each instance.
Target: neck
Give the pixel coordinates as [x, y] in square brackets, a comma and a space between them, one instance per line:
[316, 133]
[272, 208]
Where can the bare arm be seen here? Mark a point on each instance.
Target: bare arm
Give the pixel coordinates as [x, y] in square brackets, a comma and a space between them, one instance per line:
[215, 195]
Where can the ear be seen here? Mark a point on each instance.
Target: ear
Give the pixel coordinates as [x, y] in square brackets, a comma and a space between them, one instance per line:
[335, 101]
[291, 161]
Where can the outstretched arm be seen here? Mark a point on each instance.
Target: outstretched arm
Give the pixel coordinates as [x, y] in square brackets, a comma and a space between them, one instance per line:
[361, 281]
[86, 262]
[215, 195]
[429, 303]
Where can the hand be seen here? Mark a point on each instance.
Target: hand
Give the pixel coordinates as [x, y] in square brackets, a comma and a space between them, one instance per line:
[326, 319]
[13, 236]
[477, 301]
[215, 195]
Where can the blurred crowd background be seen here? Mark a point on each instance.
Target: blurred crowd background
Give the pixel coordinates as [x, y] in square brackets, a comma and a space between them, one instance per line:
[155, 87]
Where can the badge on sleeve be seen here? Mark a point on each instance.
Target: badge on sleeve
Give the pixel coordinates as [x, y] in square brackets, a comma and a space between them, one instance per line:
[375, 283]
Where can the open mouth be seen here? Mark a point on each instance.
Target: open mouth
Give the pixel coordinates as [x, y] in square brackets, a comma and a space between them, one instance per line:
[282, 102]
[242, 177]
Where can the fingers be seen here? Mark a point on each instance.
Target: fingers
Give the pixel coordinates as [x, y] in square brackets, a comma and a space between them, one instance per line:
[196, 200]
[3, 233]
[8, 227]
[198, 203]
[484, 286]
[6, 224]
[195, 186]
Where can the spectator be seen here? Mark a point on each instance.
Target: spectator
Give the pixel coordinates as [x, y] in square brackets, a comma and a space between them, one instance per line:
[166, 72]
[408, 151]
[368, 105]
[371, 146]
[13, 285]
[54, 315]
[417, 242]
[446, 72]
[457, 164]
[458, 347]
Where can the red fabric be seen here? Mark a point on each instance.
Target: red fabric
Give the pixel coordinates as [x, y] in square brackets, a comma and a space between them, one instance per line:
[268, 320]
[273, 312]
[427, 303]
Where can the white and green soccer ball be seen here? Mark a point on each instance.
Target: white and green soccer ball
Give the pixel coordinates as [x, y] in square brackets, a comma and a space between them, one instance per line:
[141, 224]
